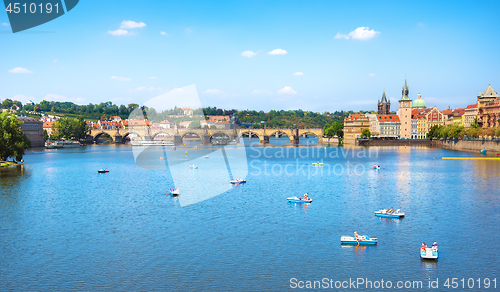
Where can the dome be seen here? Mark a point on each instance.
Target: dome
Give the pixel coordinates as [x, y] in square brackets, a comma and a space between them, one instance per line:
[419, 102]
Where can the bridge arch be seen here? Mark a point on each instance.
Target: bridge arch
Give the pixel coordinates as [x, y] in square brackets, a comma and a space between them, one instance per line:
[162, 134]
[243, 132]
[128, 133]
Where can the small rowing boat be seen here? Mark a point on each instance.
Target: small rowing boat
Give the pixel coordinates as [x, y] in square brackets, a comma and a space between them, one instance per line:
[237, 181]
[361, 240]
[318, 164]
[298, 200]
[395, 215]
[103, 171]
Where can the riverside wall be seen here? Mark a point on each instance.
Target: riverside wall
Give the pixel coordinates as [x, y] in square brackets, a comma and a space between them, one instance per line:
[406, 142]
[468, 145]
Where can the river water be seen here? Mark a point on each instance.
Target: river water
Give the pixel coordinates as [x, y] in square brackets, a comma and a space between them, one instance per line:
[64, 227]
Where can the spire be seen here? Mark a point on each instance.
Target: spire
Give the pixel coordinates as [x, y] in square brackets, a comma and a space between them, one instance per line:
[405, 92]
[384, 99]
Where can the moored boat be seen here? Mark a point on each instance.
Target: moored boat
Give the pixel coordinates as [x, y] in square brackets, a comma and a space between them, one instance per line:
[62, 144]
[298, 200]
[396, 214]
[361, 240]
[146, 143]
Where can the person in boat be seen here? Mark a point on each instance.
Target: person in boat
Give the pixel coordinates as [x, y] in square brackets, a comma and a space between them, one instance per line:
[435, 246]
[306, 196]
[423, 247]
[391, 211]
[387, 211]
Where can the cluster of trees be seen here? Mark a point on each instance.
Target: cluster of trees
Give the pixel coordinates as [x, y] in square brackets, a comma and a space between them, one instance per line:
[13, 142]
[69, 128]
[365, 133]
[9, 103]
[335, 129]
[457, 131]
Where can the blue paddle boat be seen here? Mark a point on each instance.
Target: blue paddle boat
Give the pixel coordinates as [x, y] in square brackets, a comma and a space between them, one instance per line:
[237, 181]
[394, 215]
[427, 253]
[103, 170]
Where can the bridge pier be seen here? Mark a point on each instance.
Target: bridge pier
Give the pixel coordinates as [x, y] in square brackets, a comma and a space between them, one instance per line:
[294, 139]
[264, 139]
[118, 139]
[178, 140]
[205, 139]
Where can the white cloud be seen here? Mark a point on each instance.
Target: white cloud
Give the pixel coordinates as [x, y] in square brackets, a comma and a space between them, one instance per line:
[261, 92]
[5, 24]
[371, 74]
[20, 70]
[287, 90]
[248, 54]
[360, 33]
[146, 89]
[131, 24]
[119, 32]
[298, 73]
[188, 30]
[152, 77]
[277, 52]
[163, 33]
[23, 98]
[121, 78]
[55, 97]
[55, 61]
[213, 91]
[341, 36]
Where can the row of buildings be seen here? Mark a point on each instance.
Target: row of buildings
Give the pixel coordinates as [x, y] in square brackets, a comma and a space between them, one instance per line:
[414, 119]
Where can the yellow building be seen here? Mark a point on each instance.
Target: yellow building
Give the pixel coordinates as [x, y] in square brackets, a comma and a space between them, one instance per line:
[353, 125]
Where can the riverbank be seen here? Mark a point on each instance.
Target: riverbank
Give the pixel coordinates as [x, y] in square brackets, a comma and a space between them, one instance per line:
[468, 145]
[7, 163]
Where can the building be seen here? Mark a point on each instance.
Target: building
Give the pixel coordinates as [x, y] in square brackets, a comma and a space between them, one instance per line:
[404, 112]
[433, 117]
[384, 106]
[416, 121]
[390, 126]
[165, 124]
[115, 119]
[458, 116]
[187, 111]
[47, 126]
[33, 129]
[470, 114]
[488, 108]
[353, 125]
[223, 125]
[447, 117]
[374, 125]
[184, 124]
[418, 103]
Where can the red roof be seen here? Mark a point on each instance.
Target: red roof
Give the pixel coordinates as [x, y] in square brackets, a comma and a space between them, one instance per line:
[353, 117]
[136, 123]
[47, 125]
[447, 112]
[472, 105]
[388, 118]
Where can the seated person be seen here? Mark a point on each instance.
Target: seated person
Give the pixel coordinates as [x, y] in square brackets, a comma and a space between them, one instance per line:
[435, 246]
[306, 197]
[391, 211]
[423, 247]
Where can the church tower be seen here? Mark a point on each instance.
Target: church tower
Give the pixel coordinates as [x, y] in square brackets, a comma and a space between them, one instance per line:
[384, 106]
[404, 113]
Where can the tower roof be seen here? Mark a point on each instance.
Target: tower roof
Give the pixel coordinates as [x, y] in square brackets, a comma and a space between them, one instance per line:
[489, 92]
[419, 102]
[384, 99]
[405, 92]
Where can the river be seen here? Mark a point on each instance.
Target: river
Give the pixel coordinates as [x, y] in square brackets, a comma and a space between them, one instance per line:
[66, 227]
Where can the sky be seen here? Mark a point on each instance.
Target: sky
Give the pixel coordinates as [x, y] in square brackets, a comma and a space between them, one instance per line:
[311, 55]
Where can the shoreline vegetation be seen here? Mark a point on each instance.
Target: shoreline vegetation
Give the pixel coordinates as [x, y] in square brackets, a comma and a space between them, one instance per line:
[8, 163]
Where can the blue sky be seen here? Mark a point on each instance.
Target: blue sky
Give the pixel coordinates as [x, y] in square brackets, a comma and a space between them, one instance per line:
[448, 51]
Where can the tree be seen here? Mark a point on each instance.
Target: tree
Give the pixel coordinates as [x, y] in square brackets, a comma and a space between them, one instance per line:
[7, 103]
[13, 142]
[45, 135]
[365, 133]
[194, 125]
[67, 128]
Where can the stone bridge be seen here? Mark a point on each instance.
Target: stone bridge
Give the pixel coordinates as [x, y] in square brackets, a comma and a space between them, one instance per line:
[206, 135]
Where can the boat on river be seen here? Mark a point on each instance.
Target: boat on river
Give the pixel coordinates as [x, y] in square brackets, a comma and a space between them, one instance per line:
[193, 167]
[361, 240]
[237, 181]
[62, 144]
[395, 215]
[298, 200]
[146, 143]
[429, 253]
[103, 171]
[376, 166]
[175, 192]
[318, 164]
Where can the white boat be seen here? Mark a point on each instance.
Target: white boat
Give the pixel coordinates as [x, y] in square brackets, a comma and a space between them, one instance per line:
[362, 240]
[318, 164]
[193, 167]
[206, 156]
[298, 200]
[237, 181]
[429, 253]
[146, 143]
[396, 214]
[376, 167]
[62, 144]
[175, 192]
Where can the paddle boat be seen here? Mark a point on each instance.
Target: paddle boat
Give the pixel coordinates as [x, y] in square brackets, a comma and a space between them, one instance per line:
[299, 200]
[193, 166]
[237, 181]
[376, 166]
[483, 151]
[162, 158]
[358, 240]
[206, 156]
[318, 164]
[175, 192]
[427, 253]
[395, 215]
[103, 170]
